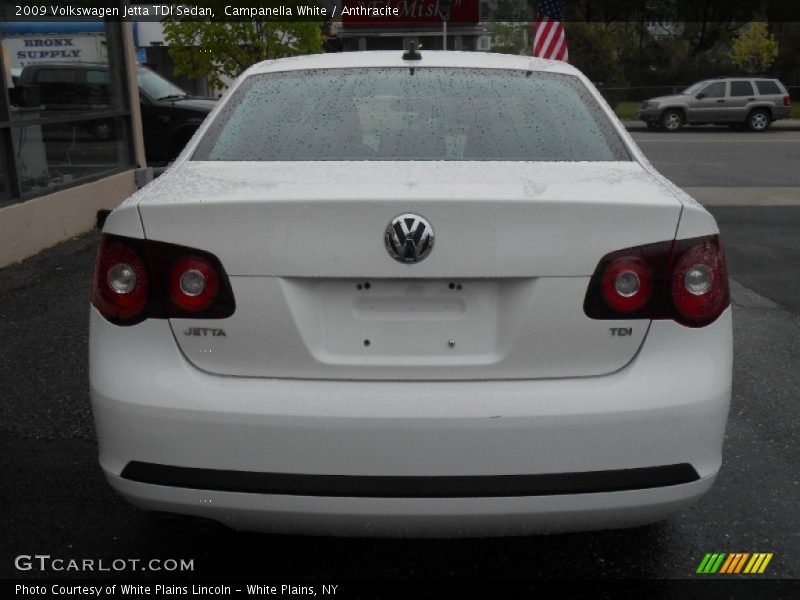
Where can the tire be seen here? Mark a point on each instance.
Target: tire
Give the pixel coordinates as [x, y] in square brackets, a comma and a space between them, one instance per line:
[672, 120]
[759, 120]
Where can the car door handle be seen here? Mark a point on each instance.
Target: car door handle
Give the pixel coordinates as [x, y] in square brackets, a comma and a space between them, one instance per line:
[720, 100]
[751, 99]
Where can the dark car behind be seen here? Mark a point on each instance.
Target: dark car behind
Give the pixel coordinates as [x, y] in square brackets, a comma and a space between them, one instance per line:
[170, 116]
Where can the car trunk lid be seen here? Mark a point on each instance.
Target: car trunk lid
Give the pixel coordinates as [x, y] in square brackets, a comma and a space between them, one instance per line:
[500, 296]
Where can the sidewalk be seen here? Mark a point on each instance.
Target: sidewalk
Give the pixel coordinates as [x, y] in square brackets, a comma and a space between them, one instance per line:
[782, 125]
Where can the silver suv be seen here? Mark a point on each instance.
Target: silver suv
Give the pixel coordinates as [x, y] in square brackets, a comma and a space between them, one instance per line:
[738, 102]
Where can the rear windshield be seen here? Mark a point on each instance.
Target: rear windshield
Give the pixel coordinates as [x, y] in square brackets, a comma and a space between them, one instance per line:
[411, 114]
[768, 88]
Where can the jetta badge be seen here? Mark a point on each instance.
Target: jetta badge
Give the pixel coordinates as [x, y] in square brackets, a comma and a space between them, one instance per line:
[409, 238]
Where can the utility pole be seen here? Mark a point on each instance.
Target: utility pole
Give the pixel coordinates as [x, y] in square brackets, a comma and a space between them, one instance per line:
[444, 12]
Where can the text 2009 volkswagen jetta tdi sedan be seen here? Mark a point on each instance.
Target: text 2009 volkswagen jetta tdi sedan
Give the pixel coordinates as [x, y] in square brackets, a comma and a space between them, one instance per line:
[436, 295]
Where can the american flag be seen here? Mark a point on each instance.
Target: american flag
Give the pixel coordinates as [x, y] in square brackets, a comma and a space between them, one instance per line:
[548, 33]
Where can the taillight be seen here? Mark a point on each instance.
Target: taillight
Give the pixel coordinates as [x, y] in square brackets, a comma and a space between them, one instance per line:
[121, 283]
[685, 280]
[627, 284]
[699, 283]
[138, 279]
[787, 100]
[193, 284]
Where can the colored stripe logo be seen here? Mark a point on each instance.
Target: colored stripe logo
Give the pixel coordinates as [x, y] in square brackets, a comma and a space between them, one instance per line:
[733, 563]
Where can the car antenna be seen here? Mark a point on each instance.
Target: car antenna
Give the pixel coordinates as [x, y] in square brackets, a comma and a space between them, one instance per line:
[413, 51]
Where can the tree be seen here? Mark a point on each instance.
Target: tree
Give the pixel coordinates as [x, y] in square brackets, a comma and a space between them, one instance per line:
[227, 48]
[787, 65]
[594, 49]
[510, 27]
[755, 49]
[712, 23]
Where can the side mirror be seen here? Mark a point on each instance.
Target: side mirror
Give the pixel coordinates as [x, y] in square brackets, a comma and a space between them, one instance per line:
[700, 96]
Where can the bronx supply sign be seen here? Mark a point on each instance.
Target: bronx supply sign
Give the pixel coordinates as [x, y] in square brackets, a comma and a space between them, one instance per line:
[80, 47]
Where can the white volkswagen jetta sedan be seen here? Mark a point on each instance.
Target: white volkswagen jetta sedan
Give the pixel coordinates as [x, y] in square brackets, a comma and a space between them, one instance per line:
[402, 294]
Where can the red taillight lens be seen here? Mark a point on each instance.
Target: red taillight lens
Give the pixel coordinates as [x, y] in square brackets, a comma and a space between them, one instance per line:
[699, 284]
[138, 279]
[627, 284]
[121, 283]
[787, 100]
[685, 280]
[193, 284]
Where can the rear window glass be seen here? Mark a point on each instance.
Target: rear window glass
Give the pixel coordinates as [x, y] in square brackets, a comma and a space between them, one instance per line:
[97, 77]
[55, 76]
[404, 114]
[741, 88]
[767, 88]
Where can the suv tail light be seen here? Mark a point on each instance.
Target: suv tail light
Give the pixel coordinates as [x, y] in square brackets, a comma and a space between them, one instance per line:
[139, 279]
[684, 280]
[787, 100]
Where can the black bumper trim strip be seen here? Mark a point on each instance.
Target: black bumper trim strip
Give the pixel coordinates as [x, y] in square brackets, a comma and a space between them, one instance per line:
[372, 486]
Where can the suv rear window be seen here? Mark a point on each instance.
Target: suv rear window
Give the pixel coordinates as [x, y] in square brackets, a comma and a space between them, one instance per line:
[741, 88]
[411, 114]
[55, 76]
[768, 88]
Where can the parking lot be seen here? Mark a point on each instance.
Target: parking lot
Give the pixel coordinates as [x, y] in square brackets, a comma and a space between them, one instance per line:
[56, 502]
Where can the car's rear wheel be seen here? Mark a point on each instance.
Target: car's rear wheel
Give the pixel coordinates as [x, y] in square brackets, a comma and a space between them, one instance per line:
[759, 120]
[672, 120]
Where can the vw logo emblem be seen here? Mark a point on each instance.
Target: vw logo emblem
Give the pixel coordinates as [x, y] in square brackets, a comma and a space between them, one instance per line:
[409, 238]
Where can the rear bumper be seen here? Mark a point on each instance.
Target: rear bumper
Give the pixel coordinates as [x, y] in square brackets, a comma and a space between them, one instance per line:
[667, 407]
[781, 112]
[418, 517]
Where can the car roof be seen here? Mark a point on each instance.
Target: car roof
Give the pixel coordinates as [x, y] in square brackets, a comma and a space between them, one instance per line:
[394, 58]
[744, 78]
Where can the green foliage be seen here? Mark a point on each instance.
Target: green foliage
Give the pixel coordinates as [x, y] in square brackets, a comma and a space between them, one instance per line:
[626, 110]
[509, 30]
[787, 65]
[713, 23]
[595, 49]
[227, 48]
[755, 49]
[510, 38]
[511, 11]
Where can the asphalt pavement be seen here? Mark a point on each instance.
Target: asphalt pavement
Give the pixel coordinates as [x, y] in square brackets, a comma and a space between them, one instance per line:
[54, 499]
[715, 157]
